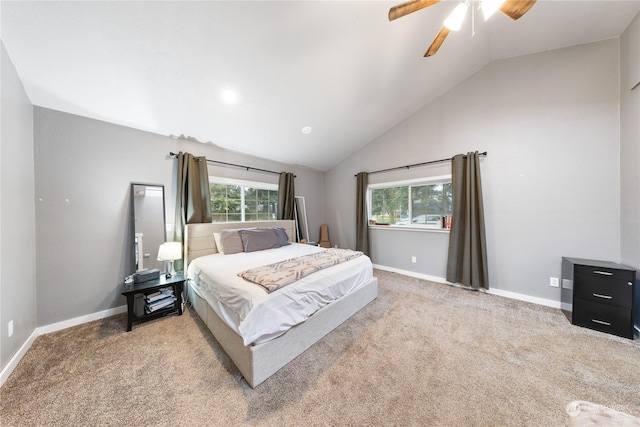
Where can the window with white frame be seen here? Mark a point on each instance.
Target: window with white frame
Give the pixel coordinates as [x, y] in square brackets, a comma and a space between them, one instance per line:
[237, 200]
[424, 203]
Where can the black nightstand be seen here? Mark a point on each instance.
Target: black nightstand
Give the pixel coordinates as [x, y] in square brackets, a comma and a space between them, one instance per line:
[145, 288]
[600, 295]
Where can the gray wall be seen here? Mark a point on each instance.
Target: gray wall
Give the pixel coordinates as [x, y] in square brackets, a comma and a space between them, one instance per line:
[83, 173]
[550, 122]
[17, 211]
[630, 144]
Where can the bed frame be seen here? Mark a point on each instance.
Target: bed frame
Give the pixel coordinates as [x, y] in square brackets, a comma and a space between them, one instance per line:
[259, 362]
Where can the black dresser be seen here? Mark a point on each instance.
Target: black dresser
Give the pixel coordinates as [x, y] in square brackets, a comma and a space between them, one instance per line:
[600, 295]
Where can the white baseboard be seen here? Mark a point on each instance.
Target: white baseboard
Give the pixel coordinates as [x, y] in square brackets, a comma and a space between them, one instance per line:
[43, 330]
[80, 320]
[8, 369]
[523, 297]
[498, 292]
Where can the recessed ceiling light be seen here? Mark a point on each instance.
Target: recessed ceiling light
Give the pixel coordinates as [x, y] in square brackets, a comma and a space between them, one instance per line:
[306, 130]
[229, 96]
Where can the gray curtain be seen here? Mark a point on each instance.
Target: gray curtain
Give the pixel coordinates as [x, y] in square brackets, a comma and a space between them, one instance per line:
[362, 226]
[193, 198]
[286, 196]
[467, 262]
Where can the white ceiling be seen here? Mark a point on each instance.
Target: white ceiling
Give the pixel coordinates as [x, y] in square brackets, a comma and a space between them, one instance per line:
[338, 66]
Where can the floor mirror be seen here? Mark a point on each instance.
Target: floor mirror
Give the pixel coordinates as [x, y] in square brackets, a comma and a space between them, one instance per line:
[300, 215]
[147, 202]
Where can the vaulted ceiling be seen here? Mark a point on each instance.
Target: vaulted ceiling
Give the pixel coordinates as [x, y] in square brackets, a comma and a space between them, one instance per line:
[338, 67]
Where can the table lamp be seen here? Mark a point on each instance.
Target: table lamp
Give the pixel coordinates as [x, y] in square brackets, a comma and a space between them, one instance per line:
[170, 251]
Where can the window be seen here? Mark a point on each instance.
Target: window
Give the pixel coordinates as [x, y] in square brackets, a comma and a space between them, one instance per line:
[234, 200]
[423, 203]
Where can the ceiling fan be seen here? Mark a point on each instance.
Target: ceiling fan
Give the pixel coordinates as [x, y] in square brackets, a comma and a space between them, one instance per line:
[514, 9]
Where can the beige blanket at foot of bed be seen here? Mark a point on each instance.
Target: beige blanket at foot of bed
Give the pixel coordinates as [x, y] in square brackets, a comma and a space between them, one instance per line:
[275, 276]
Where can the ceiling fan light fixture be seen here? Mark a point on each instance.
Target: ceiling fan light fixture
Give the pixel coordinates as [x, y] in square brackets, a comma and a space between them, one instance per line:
[229, 96]
[489, 7]
[454, 21]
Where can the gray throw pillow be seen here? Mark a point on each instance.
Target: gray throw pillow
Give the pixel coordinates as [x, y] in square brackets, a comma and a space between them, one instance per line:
[231, 242]
[283, 238]
[259, 239]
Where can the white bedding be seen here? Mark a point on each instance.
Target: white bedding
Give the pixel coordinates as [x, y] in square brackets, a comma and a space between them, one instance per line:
[258, 316]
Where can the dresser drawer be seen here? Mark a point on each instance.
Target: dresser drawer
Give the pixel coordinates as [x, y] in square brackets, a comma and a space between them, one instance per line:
[604, 272]
[604, 291]
[604, 318]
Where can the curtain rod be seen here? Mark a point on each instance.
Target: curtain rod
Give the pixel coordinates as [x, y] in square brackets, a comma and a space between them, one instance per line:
[172, 154]
[419, 164]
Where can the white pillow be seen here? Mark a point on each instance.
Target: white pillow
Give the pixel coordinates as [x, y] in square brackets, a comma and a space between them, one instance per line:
[216, 237]
[230, 242]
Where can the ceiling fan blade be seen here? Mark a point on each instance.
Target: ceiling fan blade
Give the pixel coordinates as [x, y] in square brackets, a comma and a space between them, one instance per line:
[406, 8]
[514, 9]
[437, 42]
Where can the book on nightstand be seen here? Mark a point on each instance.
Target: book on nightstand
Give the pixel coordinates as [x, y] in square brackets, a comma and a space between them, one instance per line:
[162, 298]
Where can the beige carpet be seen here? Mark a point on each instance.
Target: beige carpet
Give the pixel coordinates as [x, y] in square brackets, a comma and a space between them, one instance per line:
[421, 354]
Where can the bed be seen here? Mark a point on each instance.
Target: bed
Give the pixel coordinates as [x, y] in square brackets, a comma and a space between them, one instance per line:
[258, 354]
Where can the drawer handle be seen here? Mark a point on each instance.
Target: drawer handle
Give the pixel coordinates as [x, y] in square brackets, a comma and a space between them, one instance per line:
[602, 296]
[602, 322]
[603, 273]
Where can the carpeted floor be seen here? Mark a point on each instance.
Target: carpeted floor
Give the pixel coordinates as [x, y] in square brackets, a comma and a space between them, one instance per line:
[421, 354]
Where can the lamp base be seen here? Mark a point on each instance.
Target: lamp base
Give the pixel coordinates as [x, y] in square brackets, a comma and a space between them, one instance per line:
[171, 271]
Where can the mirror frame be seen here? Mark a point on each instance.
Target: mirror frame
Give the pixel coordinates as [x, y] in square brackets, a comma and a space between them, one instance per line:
[300, 215]
[133, 219]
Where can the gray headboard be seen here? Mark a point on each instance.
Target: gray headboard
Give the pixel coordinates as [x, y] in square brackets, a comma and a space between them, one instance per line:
[198, 238]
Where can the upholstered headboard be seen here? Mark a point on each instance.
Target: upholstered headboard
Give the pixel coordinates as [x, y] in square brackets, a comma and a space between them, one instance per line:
[198, 238]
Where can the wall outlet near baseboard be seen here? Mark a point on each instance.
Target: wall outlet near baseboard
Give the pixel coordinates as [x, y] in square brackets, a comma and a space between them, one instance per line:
[413, 260]
[554, 282]
[10, 328]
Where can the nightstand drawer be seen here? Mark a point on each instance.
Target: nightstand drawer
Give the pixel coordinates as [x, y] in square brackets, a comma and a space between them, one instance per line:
[604, 272]
[601, 290]
[604, 318]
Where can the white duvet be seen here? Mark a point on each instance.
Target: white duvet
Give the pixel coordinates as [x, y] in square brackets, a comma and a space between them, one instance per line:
[258, 316]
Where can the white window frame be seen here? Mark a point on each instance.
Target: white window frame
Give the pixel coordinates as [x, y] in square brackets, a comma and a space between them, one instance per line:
[440, 179]
[243, 183]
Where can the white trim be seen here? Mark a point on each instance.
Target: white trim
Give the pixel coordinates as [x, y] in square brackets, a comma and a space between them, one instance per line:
[412, 274]
[43, 330]
[440, 179]
[523, 297]
[81, 319]
[408, 227]
[13, 362]
[242, 183]
[497, 292]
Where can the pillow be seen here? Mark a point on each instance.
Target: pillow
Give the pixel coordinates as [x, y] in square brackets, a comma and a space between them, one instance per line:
[216, 237]
[230, 242]
[260, 239]
[283, 238]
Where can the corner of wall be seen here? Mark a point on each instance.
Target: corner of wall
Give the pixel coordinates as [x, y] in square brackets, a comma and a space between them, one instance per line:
[17, 214]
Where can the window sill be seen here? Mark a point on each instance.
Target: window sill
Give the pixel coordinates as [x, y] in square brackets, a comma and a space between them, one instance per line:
[409, 228]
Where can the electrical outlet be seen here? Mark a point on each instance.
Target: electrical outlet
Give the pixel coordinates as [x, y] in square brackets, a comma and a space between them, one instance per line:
[10, 328]
[554, 282]
[413, 260]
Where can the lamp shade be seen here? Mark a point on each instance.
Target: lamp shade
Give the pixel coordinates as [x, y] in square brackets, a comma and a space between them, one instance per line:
[170, 251]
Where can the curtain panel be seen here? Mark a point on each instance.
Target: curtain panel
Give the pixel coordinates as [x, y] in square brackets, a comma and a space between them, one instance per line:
[286, 196]
[193, 197]
[467, 260]
[362, 219]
